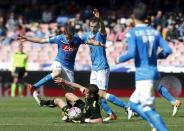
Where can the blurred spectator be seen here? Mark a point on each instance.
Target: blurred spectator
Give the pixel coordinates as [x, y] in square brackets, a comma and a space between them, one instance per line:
[2, 29]
[181, 31]
[47, 15]
[85, 26]
[62, 19]
[76, 22]
[158, 18]
[48, 18]
[12, 23]
[171, 33]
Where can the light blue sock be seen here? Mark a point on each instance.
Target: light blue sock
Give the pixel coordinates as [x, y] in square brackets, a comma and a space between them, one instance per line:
[139, 110]
[105, 107]
[166, 94]
[156, 120]
[117, 101]
[42, 81]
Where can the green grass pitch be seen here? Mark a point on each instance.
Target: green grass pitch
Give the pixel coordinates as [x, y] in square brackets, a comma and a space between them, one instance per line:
[22, 114]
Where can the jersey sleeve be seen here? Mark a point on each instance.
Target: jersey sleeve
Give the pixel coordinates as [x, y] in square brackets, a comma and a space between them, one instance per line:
[56, 39]
[166, 50]
[131, 48]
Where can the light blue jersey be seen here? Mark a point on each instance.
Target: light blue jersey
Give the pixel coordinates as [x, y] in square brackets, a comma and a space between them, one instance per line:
[98, 54]
[143, 42]
[66, 51]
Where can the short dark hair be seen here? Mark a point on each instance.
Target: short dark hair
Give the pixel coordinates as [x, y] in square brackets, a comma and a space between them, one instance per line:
[93, 92]
[140, 11]
[69, 30]
[94, 19]
[93, 89]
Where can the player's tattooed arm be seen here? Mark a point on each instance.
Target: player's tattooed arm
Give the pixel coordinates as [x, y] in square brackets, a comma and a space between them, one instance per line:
[61, 81]
[35, 40]
[101, 23]
[95, 43]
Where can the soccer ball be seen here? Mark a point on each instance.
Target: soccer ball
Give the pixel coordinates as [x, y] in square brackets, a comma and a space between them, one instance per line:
[74, 113]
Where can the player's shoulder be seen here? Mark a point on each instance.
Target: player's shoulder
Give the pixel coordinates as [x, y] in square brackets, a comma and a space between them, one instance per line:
[87, 33]
[77, 38]
[60, 36]
[130, 32]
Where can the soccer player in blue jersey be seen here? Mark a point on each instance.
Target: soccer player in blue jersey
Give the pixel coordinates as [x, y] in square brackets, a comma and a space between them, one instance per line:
[68, 44]
[100, 67]
[143, 42]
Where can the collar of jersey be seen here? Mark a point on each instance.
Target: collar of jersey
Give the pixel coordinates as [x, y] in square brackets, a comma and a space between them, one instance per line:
[65, 41]
[141, 25]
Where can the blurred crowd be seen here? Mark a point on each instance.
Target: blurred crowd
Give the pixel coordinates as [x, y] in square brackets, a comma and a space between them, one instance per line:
[28, 20]
[48, 18]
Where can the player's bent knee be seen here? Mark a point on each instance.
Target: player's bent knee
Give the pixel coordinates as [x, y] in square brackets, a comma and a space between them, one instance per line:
[56, 73]
[57, 100]
[68, 94]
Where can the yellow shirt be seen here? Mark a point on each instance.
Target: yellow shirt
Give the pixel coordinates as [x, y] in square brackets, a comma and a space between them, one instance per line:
[19, 60]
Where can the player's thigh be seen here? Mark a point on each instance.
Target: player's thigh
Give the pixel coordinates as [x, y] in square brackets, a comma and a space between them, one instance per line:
[146, 92]
[19, 73]
[103, 79]
[60, 70]
[93, 77]
[56, 69]
[71, 97]
[67, 74]
[134, 97]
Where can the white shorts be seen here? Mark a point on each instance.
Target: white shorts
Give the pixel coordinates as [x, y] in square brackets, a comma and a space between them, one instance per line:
[65, 73]
[144, 93]
[100, 78]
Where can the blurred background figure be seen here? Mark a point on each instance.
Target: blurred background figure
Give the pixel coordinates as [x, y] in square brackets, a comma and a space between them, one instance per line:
[19, 64]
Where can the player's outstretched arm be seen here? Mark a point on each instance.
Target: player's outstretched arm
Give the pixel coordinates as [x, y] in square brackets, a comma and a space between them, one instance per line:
[95, 43]
[101, 23]
[35, 40]
[61, 81]
[97, 120]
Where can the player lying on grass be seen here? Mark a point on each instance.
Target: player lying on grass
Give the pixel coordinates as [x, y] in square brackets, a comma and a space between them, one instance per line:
[90, 108]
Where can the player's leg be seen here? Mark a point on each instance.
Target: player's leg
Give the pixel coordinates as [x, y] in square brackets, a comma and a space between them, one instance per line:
[166, 94]
[101, 79]
[74, 100]
[20, 82]
[147, 97]
[68, 75]
[56, 72]
[20, 89]
[135, 105]
[14, 84]
[113, 99]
